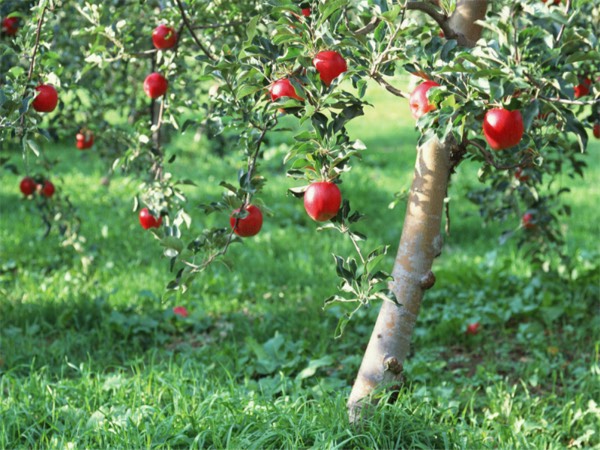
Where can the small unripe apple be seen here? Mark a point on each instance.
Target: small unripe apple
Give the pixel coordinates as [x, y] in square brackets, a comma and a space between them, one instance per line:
[330, 65]
[527, 221]
[583, 88]
[472, 329]
[47, 189]
[10, 25]
[46, 98]
[28, 186]
[249, 225]
[147, 220]
[155, 85]
[521, 175]
[597, 130]
[283, 88]
[322, 200]
[503, 128]
[164, 37]
[419, 104]
[84, 140]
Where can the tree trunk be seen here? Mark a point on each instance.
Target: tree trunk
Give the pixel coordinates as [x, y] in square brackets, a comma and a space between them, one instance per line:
[420, 243]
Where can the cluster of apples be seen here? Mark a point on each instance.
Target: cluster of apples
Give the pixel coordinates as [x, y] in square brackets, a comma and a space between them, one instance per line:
[322, 199]
[29, 186]
[163, 38]
[502, 128]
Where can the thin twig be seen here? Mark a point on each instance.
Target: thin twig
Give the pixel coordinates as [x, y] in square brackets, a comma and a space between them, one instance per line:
[32, 65]
[397, 92]
[219, 25]
[569, 102]
[368, 27]
[564, 25]
[191, 30]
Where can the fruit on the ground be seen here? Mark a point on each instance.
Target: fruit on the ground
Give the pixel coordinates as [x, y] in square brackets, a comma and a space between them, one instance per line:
[322, 200]
[180, 311]
[10, 25]
[583, 88]
[419, 104]
[164, 37]
[47, 189]
[306, 12]
[330, 65]
[472, 329]
[28, 186]
[249, 225]
[597, 130]
[527, 221]
[84, 139]
[521, 175]
[147, 220]
[46, 98]
[155, 85]
[283, 88]
[503, 128]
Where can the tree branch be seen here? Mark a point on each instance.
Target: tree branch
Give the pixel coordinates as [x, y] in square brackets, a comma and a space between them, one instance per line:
[32, 64]
[188, 25]
[397, 92]
[368, 27]
[219, 25]
[562, 29]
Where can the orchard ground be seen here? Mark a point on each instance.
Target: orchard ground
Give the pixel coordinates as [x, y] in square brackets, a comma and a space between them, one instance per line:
[92, 355]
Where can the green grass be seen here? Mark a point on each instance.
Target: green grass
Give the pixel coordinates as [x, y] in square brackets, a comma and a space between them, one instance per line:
[91, 355]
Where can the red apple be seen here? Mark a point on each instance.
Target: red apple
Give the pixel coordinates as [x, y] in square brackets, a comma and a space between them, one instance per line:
[180, 311]
[330, 65]
[10, 25]
[472, 329]
[47, 189]
[249, 225]
[306, 12]
[147, 220]
[583, 88]
[28, 186]
[283, 88]
[419, 104]
[597, 130]
[164, 37]
[322, 200]
[85, 139]
[46, 98]
[520, 175]
[155, 85]
[503, 128]
[528, 221]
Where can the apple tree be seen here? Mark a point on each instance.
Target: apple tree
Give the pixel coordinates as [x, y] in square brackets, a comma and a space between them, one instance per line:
[510, 86]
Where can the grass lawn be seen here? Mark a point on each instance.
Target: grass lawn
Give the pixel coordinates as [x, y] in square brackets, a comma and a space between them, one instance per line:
[92, 356]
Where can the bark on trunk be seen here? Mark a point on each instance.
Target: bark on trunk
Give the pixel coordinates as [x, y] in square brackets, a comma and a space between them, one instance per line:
[420, 243]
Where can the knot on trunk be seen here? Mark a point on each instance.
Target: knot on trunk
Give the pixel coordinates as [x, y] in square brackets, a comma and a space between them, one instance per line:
[427, 281]
[391, 364]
